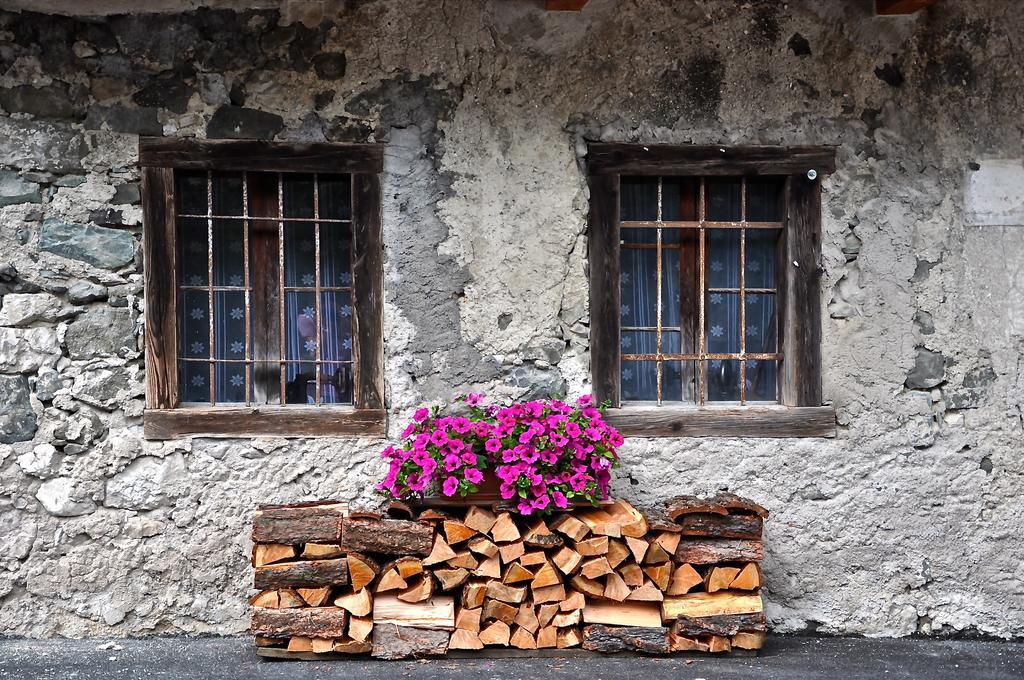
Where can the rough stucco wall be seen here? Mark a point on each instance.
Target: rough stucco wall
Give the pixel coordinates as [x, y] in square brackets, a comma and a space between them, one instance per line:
[908, 522]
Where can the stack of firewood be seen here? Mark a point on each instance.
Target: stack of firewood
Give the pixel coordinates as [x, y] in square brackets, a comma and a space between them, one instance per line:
[607, 579]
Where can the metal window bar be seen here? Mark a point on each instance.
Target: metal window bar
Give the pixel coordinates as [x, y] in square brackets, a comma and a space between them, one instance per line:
[316, 282]
[743, 297]
[657, 337]
[209, 282]
[248, 287]
[280, 290]
[258, 218]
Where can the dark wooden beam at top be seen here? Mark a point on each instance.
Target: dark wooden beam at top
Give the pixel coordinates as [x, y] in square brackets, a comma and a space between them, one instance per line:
[893, 7]
[564, 5]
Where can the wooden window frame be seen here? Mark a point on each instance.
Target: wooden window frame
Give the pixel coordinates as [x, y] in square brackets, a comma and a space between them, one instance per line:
[800, 412]
[164, 418]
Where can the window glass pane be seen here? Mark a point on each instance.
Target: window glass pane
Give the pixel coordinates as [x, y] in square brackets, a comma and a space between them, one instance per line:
[230, 384]
[299, 254]
[228, 247]
[761, 325]
[335, 255]
[195, 324]
[679, 199]
[760, 256]
[639, 380]
[229, 324]
[723, 380]
[644, 235]
[194, 381]
[764, 200]
[300, 326]
[191, 190]
[336, 326]
[192, 236]
[638, 197]
[762, 378]
[670, 294]
[723, 323]
[723, 200]
[672, 381]
[298, 195]
[638, 286]
[336, 383]
[335, 197]
[227, 194]
[723, 258]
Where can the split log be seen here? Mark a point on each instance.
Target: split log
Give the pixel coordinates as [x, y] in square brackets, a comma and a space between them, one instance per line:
[749, 578]
[419, 590]
[569, 526]
[713, 551]
[648, 592]
[522, 639]
[746, 640]
[440, 552]
[533, 559]
[359, 603]
[311, 574]
[545, 613]
[555, 593]
[540, 536]
[567, 560]
[617, 552]
[352, 646]
[500, 611]
[315, 597]
[684, 578]
[268, 553]
[516, 573]
[319, 523]
[468, 619]
[262, 641]
[593, 546]
[527, 618]
[457, 532]
[656, 555]
[480, 519]
[587, 586]
[658, 520]
[300, 643]
[277, 599]
[711, 604]
[595, 567]
[322, 646]
[360, 627]
[600, 522]
[721, 504]
[497, 633]
[511, 551]
[399, 642]
[489, 568]
[497, 590]
[668, 541]
[483, 546]
[610, 639]
[615, 588]
[322, 622]
[575, 600]
[547, 637]
[660, 574]
[407, 567]
[566, 619]
[321, 551]
[719, 578]
[638, 547]
[473, 595]
[631, 521]
[569, 637]
[504, 529]
[680, 643]
[725, 625]
[391, 580]
[717, 644]
[623, 614]
[386, 536]
[451, 578]
[465, 639]
[361, 570]
[437, 613]
[464, 560]
[721, 526]
[546, 576]
[633, 575]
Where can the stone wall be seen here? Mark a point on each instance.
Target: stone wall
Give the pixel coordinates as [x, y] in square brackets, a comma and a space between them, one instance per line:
[908, 522]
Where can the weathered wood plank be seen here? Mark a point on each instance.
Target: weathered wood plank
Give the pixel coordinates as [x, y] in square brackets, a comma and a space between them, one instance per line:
[260, 421]
[612, 639]
[160, 258]
[320, 523]
[368, 292]
[193, 154]
[705, 160]
[387, 536]
[318, 622]
[306, 574]
[711, 604]
[605, 292]
[715, 550]
[721, 526]
[748, 421]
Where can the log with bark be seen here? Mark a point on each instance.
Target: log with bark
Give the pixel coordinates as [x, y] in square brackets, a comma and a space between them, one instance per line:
[311, 523]
[304, 574]
[611, 639]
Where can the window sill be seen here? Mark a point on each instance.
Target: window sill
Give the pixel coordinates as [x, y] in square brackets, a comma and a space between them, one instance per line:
[287, 421]
[724, 421]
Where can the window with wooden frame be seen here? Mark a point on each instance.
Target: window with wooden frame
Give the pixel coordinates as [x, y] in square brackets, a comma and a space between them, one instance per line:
[704, 281]
[263, 278]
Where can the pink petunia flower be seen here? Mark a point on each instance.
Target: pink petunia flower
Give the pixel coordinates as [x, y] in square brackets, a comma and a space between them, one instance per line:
[450, 486]
[474, 476]
[421, 415]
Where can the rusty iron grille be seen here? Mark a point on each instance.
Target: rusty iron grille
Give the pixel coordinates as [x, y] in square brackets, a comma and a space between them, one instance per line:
[265, 289]
[690, 239]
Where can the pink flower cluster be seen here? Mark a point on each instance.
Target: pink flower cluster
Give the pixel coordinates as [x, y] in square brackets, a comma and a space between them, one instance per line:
[545, 453]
